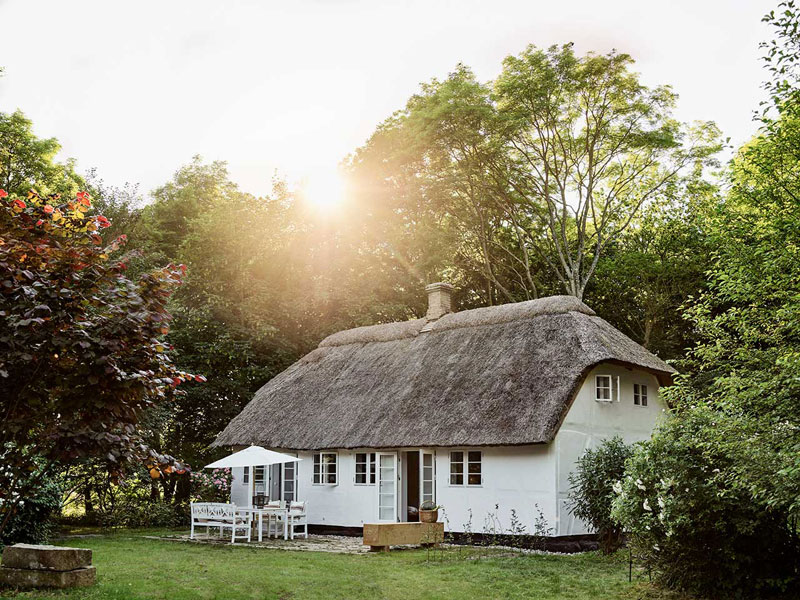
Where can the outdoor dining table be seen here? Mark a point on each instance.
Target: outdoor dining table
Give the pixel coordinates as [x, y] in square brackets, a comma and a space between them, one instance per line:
[268, 510]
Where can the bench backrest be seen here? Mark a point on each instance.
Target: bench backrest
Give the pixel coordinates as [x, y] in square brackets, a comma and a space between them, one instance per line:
[216, 511]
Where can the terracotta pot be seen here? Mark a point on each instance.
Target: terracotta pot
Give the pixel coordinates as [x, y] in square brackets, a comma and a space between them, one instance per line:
[429, 516]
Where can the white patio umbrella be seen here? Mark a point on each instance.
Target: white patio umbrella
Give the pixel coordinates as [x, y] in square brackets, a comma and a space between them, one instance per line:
[251, 457]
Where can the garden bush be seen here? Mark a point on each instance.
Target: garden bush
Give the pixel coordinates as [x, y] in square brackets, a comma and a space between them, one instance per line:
[147, 514]
[33, 522]
[591, 489]
[693, 524]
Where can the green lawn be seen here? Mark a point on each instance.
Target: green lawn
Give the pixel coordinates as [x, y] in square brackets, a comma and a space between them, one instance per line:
[130, 566]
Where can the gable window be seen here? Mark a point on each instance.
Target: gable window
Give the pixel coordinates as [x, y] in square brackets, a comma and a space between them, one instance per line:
[246, 478]
[325, 468]
[365, 468]
[639, 394]
[602, 388]
[466, 467]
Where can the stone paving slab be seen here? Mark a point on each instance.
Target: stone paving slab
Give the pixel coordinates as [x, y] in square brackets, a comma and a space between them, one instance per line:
[42, 557]
[30, 578]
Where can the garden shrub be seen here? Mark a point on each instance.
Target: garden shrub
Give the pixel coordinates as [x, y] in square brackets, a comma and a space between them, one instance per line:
[33, 522]
[147, 514]
[591, 489]
[211, 487]
[692, 523]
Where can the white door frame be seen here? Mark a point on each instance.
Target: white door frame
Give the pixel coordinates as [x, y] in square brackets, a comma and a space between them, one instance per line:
[393, 477]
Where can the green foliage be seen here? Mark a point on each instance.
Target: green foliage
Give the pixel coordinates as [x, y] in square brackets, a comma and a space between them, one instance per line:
[26, 160]
[33, 521]
[529, 179]
[81, 350]
[134, 514]
[591, 489]
[693, 524]
[713, 501]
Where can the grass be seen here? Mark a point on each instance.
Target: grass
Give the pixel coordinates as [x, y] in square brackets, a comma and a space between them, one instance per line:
[130, 566]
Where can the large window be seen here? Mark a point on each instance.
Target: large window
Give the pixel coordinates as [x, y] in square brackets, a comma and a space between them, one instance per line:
[365, 468]
[639, 394]
[466, 467]
[325, 471]
[602, 388]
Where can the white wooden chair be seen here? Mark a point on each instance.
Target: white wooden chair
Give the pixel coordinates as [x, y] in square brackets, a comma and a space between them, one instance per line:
[224, 516]
[297, 518]
[274, 522]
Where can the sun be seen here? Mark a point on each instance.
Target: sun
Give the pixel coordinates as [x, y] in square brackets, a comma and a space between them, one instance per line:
[324, 190]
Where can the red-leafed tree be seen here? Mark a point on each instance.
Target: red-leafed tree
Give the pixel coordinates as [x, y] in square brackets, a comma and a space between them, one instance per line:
[82, 356]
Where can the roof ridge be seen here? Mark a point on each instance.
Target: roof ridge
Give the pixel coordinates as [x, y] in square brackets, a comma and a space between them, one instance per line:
[474, 317]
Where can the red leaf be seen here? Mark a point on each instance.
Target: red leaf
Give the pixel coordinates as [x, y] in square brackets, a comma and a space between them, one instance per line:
[48, 209]
[3, 193]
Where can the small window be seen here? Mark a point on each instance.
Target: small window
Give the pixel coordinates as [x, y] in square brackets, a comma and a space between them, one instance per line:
[246, 478]
[466, 467]
[602, 388]
[325, 468]
[639, 394]
[365, 468]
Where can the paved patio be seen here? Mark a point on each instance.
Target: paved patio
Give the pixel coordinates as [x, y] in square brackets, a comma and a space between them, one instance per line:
[315, 543]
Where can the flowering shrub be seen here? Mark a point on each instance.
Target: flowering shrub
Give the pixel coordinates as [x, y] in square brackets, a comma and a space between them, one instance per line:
[692, 523]
[211, 487]
[591, 492]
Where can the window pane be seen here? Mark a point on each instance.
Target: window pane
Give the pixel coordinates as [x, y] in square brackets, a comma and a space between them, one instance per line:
[474, 479]
[456, 457]
[474, 467]
[456, 479]
[246, 478]
[474, 456]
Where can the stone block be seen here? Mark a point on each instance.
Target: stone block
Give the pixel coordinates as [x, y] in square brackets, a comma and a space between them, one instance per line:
[31, 578]
[51, 558]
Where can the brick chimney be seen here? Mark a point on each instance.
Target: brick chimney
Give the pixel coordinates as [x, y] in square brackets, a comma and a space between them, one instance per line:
[438, 300]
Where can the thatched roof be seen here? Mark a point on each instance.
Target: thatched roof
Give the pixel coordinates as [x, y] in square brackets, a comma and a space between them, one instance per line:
[501, 375]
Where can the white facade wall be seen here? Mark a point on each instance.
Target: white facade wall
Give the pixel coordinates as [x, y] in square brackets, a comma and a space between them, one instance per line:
[514, 477]
[526, 479]
[589, 422]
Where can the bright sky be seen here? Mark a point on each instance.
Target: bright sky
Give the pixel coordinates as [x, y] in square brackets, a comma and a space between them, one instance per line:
[135, 89]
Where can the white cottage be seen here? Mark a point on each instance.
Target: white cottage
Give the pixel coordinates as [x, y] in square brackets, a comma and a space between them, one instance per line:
[483, 411]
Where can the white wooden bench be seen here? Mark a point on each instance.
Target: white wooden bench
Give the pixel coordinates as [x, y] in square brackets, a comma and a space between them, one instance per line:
[224, 516]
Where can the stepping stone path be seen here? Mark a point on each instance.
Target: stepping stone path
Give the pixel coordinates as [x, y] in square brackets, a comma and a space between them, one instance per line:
[30, 566]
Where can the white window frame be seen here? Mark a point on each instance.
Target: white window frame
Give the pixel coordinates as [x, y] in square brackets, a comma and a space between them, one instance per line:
[320, 476]
[465, 462]
[371, 472]
[246, 475]
[640, 394]
[609, 387]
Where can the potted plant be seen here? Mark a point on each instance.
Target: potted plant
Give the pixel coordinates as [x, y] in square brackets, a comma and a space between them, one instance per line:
[428, 512]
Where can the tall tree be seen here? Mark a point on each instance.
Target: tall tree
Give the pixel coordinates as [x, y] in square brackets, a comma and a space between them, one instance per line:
[27, 160]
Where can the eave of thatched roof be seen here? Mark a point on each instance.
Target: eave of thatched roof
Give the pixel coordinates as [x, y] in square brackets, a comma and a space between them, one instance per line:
[502, 375]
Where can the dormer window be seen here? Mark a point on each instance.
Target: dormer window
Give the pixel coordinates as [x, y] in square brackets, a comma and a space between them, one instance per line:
[602, 388]
[639, 394]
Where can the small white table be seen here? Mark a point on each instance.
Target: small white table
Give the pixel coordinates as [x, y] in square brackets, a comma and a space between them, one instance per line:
[260, 512]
